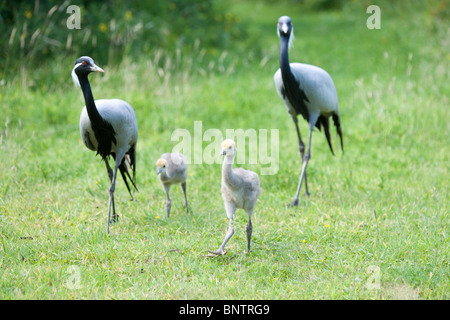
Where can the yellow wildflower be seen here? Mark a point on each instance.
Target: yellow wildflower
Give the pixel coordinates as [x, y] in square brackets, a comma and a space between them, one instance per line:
[103, 27]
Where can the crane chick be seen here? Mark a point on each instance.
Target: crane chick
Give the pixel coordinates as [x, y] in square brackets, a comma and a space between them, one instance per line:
[240, 189]
[172, 169]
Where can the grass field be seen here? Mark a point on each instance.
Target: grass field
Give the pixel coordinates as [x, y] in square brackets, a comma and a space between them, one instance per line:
[375, 225]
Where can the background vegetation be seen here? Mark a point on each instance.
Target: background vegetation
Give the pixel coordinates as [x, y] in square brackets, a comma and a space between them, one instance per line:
[379, 212]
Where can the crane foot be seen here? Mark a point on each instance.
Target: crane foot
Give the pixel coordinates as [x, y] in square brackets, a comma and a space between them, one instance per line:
[219, 252]
[293, 203]
[114, 218]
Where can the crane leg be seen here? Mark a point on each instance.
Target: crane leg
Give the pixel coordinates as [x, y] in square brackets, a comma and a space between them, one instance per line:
[301, 147]
[111, 201]
[230, 208]
[110, 172]
[304, 165]
[183, 186]
[248, 230]
[168, 204]
[115, 217]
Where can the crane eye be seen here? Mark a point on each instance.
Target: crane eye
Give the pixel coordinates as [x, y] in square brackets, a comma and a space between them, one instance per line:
[83, 62]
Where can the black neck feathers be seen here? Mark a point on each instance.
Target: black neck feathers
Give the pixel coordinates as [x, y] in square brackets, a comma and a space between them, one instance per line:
[103, 130]
[293, 91]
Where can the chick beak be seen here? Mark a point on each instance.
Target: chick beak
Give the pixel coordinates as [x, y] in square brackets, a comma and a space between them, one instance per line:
[224, 152]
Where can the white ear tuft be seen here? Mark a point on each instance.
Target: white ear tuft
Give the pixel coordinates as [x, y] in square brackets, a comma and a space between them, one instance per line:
[291, 38]
[75, 79]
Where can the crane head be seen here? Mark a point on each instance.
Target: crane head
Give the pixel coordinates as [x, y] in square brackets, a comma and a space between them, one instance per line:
[286, 29]
[161, 165]
[228, 148]
[83, 66]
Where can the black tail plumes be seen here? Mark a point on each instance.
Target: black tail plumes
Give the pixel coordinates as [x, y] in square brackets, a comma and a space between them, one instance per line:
[337, 123]
[323, 121]
[125, 173]
[326, 129]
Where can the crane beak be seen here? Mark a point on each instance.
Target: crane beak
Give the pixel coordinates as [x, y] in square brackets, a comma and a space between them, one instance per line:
[284, 28]
[97, 68]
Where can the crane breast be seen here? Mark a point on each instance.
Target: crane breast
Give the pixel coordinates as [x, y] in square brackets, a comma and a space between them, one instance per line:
[317, 85]
[177, 168]
[122, 118]
[245, 189]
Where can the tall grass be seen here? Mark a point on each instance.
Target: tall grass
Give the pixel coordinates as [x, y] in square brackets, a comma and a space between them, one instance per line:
[42, 31]
[374, 227]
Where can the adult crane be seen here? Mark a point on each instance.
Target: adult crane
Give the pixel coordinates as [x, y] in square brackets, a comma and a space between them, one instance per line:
[109, 127]
[308, 91]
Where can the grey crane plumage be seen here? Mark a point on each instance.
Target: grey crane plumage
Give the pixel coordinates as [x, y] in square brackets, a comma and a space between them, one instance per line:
[240, 190]
[109, 127]
[172, 169]
[308, 91]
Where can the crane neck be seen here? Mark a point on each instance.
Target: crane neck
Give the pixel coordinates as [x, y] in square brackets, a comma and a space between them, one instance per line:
[228, 176]
[165, 175]
[94, 115]
[286, 73]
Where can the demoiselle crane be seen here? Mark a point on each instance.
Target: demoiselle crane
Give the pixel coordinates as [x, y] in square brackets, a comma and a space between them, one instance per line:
[109, 127]
[308, 91]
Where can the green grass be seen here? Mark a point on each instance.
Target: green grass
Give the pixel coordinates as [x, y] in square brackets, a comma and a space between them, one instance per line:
[382, 205]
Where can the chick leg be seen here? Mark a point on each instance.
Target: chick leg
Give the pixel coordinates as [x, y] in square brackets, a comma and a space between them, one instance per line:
[249, 230]
[230, 208]
[183, 186]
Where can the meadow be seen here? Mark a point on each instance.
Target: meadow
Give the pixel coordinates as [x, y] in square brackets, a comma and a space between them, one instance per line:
[374, 227]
